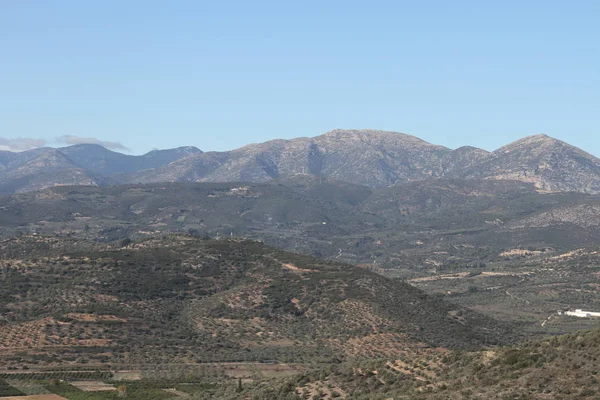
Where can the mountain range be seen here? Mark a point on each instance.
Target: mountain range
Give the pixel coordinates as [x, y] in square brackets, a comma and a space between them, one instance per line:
[365, 157]
[82, 164]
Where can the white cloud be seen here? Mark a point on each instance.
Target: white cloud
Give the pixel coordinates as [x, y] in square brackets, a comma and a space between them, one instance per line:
[21, 144]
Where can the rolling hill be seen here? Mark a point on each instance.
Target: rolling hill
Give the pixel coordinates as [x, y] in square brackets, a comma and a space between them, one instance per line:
[560, 368]
[497, 246]
[399, 227]
[179, 299]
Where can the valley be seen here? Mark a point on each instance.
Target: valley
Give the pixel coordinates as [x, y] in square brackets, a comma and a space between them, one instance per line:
[499, 247]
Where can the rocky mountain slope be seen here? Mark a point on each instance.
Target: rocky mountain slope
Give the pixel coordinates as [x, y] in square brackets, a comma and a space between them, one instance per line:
[365, 157]
[106, 162]
[43, 169]
[550, 164]
[379, 159]
[372, 158]
[84, 164]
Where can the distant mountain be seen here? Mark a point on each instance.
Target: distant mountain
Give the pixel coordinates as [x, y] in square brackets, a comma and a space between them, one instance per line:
[83, 164]
[373, 158]
[379, 159]
[550, 164]
[106, 162]
[37, 170]
[364, 157]
[5, 158]
[461, 159]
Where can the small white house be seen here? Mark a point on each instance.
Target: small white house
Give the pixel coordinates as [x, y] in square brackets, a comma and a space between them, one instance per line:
[582, 314]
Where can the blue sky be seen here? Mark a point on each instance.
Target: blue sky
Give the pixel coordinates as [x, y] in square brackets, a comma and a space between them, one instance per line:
[221, 74]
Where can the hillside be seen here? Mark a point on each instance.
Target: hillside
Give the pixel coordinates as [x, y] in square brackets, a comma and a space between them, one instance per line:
[392, 227]
[39, 170]
[561, 368]
[101, 161]
[379, 159]
[402, 230]
[373, 158]
[370, 158]
[83, 164]
[496, 246]
[550, 164]
[182, 299]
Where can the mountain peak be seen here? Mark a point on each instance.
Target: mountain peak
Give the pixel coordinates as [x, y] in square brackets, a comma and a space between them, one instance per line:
[189, 149]
[539, 136]
[86, 146]
[179, 150]
[533, 140]
[550, 164]
[378, 138]
[48, 159]
[88, 149]
[470, 149]
[373, 133]
[53, 155]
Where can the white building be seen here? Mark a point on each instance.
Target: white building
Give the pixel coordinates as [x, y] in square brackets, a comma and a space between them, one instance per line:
[581, 313]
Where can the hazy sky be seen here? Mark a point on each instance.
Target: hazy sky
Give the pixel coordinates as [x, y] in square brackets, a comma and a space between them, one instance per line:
[143, 74]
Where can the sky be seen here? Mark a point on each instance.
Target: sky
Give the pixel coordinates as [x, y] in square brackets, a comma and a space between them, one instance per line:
[142, 74]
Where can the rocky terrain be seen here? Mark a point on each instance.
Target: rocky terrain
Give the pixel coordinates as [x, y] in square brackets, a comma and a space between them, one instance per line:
[83, 164]
[99, 160]
[365, 157]
[379, 159]
[371, 158]
[550, 164]
[41, 169]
